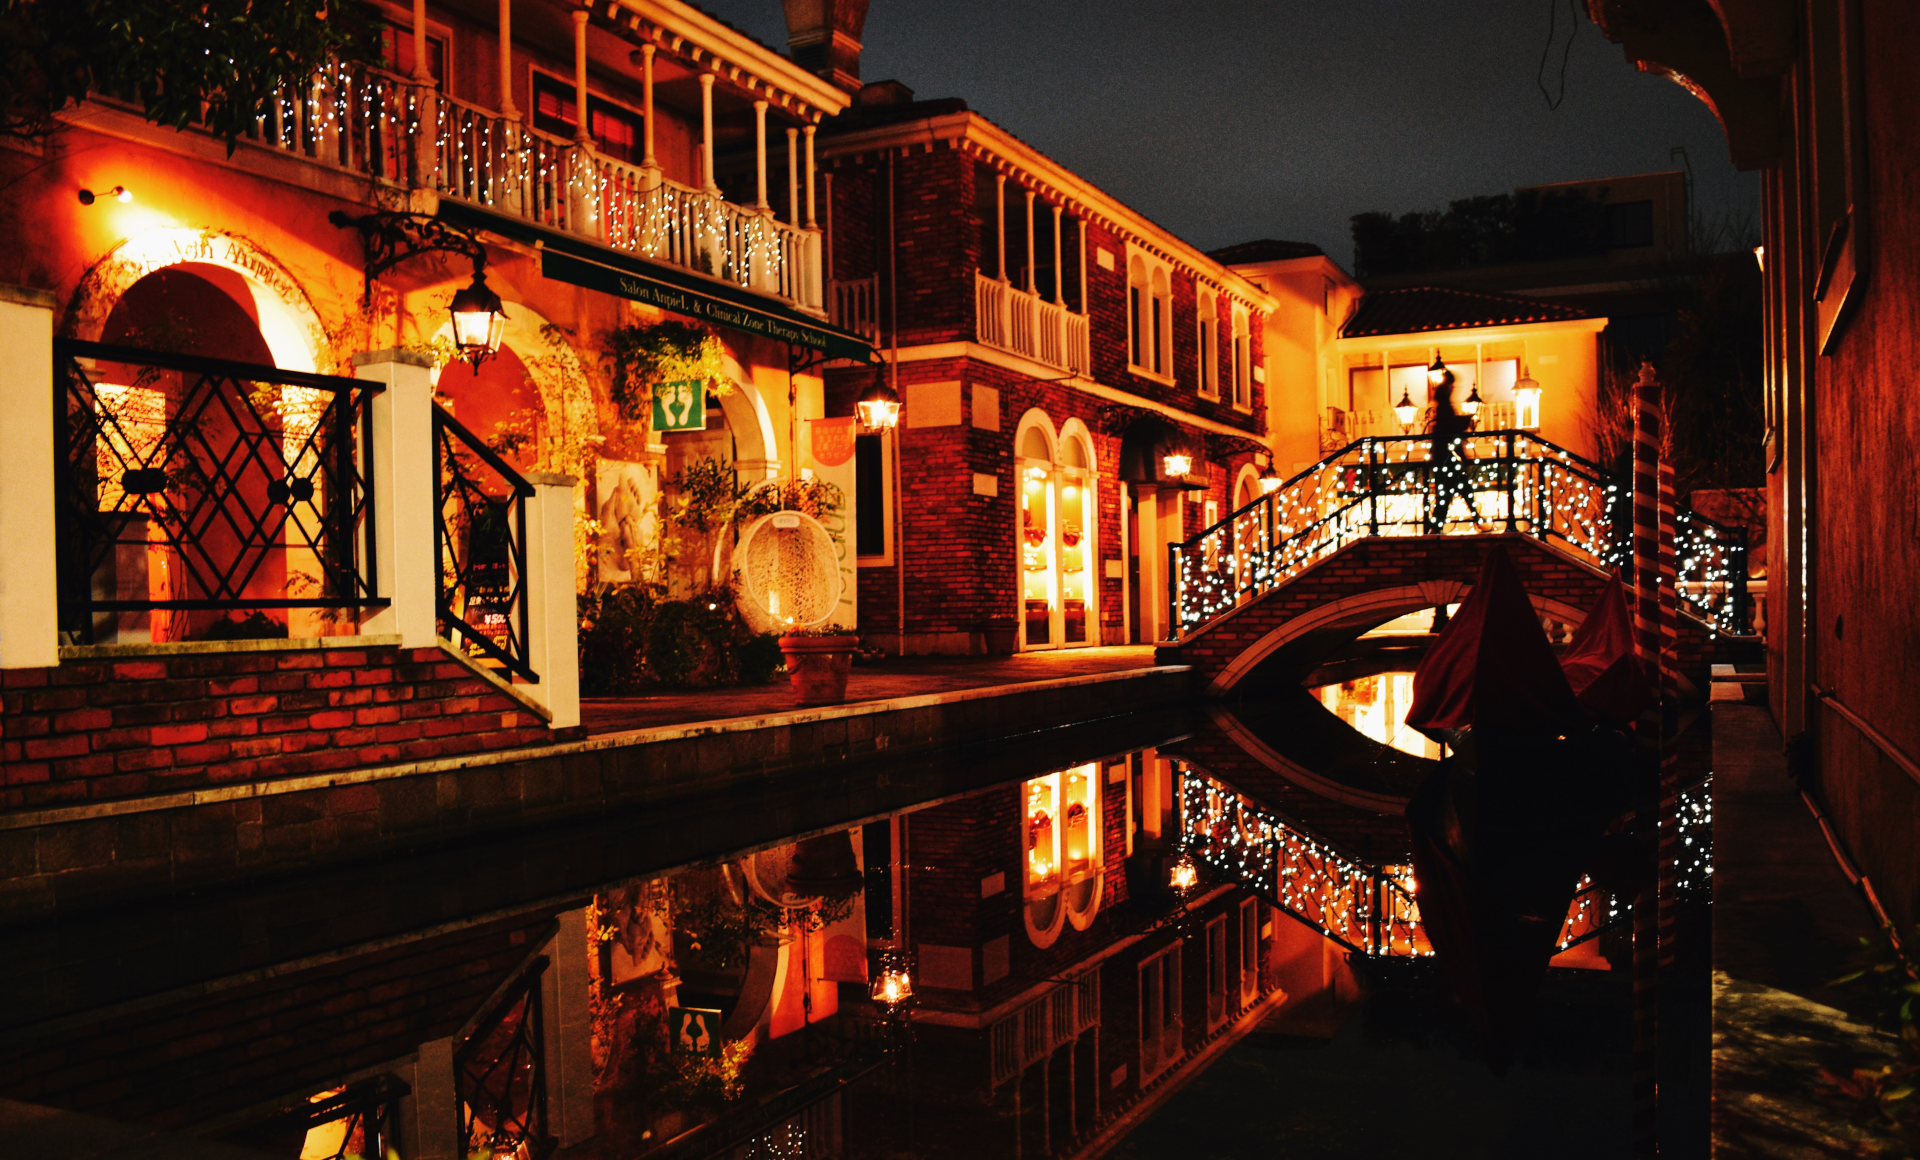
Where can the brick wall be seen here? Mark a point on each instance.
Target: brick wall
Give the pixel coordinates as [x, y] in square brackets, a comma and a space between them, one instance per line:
[97, 729]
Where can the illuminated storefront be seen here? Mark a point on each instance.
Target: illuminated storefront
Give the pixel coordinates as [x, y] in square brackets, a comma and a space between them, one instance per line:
[1060, 832]
[1058, 515]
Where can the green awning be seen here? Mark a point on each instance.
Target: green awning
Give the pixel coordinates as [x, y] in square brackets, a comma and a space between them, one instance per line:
[566, 258]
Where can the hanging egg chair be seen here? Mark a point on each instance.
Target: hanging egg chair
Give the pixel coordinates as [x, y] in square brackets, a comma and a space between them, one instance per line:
[789, 573]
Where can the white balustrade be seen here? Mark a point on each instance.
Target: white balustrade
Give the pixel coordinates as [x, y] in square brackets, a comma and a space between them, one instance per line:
[856, 306]
[1028, 325]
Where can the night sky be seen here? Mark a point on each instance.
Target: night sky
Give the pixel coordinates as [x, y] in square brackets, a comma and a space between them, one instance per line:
[1227, 121]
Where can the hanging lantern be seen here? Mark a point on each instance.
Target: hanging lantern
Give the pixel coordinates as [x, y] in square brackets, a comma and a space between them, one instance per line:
[1183, 876]
[479, 321]
[879, 406]
[1526, 402]
[1177, 462]
[1436, 371]
[1471, 406]
[1270, 481]
[1404, 409]
[893, 985]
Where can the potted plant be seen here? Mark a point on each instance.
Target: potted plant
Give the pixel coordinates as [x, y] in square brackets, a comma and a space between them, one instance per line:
[818, 660]
[1000, 634]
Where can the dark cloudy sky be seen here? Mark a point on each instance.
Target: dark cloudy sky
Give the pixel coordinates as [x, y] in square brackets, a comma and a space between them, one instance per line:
[1227, 120]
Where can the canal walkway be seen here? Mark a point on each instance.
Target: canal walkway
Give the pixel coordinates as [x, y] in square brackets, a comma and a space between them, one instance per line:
[880, 680]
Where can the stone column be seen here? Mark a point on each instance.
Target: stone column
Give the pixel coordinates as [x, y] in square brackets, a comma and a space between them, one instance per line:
[809, 130]
[1000, 224]
[706, 134]
[567, 1028]
[647, 159]
[552, 610]
[793, 176]
[429, 1127]
[760, 156]
[29, 592]
[506, 61]
[400, 467]
[1030, 281]
[1059, 262]
[582, 129]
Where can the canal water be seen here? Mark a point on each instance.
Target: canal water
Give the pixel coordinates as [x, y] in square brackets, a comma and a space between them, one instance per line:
[1190, 931]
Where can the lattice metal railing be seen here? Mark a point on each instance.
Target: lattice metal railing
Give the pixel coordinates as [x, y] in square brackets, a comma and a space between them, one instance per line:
[480, 503]
[1369, 909]
[360, 1122]
[192, 485]
[1711, 563]
[500, 1078]
[1500, 481]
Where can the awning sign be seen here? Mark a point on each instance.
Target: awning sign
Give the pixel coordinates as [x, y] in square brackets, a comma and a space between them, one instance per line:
[680, 406]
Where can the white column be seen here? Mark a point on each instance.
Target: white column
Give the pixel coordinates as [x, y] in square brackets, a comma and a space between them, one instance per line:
[1083, 267]
[429, 1126]
[552, 610]
[706, 134]
[401, 467]
[1059, 263]
[760, 155]
[582, 124]
[1030, 282]
[1000, 224]
[420, 72]
[809, 133]
[29, 579]
[567, 1031]
[793, 176]
[506, 60]
[646, 103]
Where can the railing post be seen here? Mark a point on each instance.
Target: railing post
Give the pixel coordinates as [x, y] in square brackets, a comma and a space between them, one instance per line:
[1373, 489]
[552, 608]
[1737, 581]
[29, 574]
[400, 472]
[1173, 590]
[567, 1030]
[1513, 474]
[582, 188]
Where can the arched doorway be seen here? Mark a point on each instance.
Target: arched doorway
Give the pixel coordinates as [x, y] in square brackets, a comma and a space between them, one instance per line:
[1059, 519]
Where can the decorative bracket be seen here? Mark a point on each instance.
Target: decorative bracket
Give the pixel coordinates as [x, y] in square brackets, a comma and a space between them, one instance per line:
[388, 239]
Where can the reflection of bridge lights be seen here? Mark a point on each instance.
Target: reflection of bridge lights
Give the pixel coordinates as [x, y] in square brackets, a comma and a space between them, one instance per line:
[1184, 875]
[893, 986]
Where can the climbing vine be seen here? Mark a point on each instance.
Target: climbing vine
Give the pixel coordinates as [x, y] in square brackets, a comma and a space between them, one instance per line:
[641, 356]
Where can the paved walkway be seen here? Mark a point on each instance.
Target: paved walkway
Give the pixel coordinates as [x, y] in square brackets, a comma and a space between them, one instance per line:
[1785, 923]
[877, 681]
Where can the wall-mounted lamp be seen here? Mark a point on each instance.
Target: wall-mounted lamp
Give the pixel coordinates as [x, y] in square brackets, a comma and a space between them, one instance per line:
[1404, 410]
[1436, 371]
[479, 321]
[1526, 402]
[1270, 481]
[119, 193]
[879, 406]
[387, 239]
[1183, 875]
[1471, 405]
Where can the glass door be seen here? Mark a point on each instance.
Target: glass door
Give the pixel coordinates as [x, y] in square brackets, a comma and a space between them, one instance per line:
[1079, 593]
[1039, 571]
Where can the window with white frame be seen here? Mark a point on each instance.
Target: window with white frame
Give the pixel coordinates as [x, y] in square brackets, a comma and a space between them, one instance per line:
[1242, 361]
[1149, 315]
[1208, 309]
[1160, 1036]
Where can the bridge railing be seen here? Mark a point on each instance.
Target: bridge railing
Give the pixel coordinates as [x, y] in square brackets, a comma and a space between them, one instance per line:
[1415, 485]
[1711, 572]
[1368, 909]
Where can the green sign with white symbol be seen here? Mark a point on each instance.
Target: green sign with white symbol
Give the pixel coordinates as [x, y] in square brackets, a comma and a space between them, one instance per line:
[680, 406]
[694, 1031]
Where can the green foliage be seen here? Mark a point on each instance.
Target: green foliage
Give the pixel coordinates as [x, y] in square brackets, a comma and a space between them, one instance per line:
[813, 497]
[1529, 226]
[705, 495]
[700, 1082]
[631, 641]
[1886, 984]
[215, 63]
[642, 356]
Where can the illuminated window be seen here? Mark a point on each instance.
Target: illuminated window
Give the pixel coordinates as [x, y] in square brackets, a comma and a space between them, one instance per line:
[1059, 516]
[617, 132]
[1060, 836]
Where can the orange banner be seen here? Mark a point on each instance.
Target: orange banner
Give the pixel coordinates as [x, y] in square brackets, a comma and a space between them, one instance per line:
[832, 440]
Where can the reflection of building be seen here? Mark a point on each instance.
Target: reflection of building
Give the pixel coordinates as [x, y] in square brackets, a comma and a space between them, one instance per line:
[1080, 387]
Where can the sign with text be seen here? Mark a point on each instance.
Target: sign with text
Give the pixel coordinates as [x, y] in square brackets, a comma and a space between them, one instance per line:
[680, 406]
[694, 1030]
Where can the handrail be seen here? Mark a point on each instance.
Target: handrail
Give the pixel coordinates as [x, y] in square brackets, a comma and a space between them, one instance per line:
[230, 368]
[481, 550]
[1509, 480]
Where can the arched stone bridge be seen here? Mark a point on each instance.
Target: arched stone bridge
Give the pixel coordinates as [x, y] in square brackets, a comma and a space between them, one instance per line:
[1294, 627]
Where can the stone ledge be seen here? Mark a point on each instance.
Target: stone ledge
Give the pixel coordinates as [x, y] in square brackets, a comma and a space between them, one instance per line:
[84, 652]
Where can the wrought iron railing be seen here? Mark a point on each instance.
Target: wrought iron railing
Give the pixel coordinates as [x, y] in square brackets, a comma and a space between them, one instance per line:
[364, 1121]
[196, 485]
[1711, 572]
[1499, 481]
[480, 503]
[1368, 909]
[500, 1077]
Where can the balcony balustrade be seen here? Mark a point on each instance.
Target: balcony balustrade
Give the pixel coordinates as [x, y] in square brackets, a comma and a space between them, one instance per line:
[375, 124]
[1339, 428]
[856, 307]
[1030, 326]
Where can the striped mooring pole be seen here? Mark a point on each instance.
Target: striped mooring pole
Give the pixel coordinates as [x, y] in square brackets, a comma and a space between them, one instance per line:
[1647, 425]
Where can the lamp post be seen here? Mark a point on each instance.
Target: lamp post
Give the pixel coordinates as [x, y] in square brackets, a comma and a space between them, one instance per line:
[1404, 410]
[1526, 398]
[1270, 480]
[879, 411]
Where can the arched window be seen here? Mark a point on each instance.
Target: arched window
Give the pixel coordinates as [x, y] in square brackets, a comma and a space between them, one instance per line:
[1061, 842]
[1208, 310]
[1058, 525]
[1242, 361]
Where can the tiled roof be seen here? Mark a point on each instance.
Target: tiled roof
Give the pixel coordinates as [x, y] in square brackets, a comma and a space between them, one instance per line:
[1418, 309]
[1264, 250]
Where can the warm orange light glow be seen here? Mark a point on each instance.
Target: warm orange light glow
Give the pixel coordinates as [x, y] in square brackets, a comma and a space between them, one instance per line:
[1185, 875]
[1178, 466]
[893, 986]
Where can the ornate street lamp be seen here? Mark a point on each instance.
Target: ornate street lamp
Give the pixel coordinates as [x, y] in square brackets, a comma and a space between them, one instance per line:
[1270, 480]
[1436, 371]
[1404, 410]
[1526, 398]
[1183, 875]
[879, 406]
[892, 985]
[479, 321]
[1471, 405]
[1177, 463]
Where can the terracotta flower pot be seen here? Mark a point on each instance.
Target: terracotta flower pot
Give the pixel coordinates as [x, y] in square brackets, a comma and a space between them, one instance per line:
[817, 666]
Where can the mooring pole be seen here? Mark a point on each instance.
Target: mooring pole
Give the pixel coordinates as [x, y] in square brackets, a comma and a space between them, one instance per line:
[1647, 646]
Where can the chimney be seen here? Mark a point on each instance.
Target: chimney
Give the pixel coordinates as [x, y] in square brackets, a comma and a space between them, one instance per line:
[824, 37]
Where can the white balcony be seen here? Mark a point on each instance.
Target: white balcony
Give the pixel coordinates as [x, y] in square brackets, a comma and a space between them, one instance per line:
[1339, 428]
[1030, 326]
[373, 123]
[856, 306]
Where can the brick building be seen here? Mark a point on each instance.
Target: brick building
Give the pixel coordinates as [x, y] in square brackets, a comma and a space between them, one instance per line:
[1080, 387]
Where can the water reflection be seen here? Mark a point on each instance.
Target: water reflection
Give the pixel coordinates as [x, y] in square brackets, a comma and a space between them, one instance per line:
[1376, 706]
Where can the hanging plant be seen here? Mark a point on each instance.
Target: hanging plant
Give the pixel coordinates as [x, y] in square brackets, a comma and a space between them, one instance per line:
[642, 356]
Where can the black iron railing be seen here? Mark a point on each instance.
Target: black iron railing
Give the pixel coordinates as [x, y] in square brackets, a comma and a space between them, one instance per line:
[500, 1077]
[367, 1114]
[1711, 572]
[1496, 481]
[481, 507]
[191, 486]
